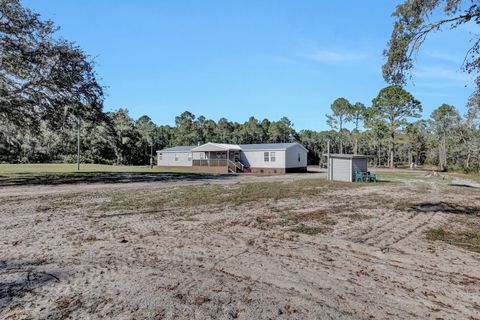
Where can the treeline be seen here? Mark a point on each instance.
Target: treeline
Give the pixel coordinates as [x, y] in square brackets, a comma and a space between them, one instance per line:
[116, 138]
[49, 95]
[388, 131]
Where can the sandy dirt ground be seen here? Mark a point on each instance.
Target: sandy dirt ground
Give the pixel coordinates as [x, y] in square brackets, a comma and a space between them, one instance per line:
[346, 253]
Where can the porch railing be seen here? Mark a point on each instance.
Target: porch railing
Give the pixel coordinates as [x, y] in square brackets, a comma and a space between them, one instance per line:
[210, 163]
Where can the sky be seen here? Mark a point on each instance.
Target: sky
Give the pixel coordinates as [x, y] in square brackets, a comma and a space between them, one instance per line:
[237, 59]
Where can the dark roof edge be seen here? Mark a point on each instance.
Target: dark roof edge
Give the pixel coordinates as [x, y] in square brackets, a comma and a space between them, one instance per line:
[347, 156]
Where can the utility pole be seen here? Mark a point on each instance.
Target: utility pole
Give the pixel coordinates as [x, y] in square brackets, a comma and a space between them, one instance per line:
[78, 146]
[151, 155]
[328, 160]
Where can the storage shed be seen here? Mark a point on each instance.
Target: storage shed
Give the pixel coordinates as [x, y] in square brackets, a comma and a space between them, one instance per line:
[342, 167]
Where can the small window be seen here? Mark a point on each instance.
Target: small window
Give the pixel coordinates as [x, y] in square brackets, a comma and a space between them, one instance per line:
[176, 157]
[265, 156]
[202, 156]
[189, 157]
[272, 156]
[160, 156]
[299, 157]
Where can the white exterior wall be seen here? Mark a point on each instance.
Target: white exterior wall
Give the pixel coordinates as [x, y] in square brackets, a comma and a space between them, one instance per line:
[168, 159]
[341, 169]
[255, 159]
[292, 157]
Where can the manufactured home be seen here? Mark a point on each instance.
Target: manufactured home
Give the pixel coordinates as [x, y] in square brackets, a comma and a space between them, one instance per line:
[253, 158]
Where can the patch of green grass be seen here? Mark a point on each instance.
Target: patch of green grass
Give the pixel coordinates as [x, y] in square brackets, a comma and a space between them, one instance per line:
[465, 238]
[417, 176]
[467, 176]
[217, 197]
[44, 168]
[259, 220]
[357, 216]
[311, 231]
[21, 174]
[225, 195]
[329, 222]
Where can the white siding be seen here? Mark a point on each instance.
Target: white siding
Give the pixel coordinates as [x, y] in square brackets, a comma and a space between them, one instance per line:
[255, 159]
[292, 157]
[341, 169]
[168, 159]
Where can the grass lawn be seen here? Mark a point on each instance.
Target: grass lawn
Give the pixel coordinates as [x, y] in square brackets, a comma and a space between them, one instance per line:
[57, 173]
[69, 168]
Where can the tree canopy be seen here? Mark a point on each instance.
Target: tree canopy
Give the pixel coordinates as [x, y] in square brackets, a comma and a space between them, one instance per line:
[414, 21]
[42, 77]
[393, 106]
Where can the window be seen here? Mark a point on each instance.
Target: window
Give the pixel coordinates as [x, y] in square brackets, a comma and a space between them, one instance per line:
[265, 156]
[176, 157]
[299, 157]
[160, 156]
[189, 157]
[272, 156]
[202, 156]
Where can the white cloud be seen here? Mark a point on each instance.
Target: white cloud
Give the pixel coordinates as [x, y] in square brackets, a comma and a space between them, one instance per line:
[445, 57]
[330, 56]
[443, 74]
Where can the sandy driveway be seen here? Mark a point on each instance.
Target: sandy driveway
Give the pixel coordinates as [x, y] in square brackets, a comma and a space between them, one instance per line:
[345, 253]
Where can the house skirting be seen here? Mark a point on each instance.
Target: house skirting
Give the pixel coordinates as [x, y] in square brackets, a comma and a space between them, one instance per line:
[299, 169]
[276, 170]
[209, 169]
[204, 169]
[199, 169]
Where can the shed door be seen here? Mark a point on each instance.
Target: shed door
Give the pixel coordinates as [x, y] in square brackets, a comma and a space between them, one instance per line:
[341, 169]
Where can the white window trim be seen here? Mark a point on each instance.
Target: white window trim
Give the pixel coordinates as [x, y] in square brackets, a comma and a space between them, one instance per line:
[176, 157]
[266, 156]
[273, 156]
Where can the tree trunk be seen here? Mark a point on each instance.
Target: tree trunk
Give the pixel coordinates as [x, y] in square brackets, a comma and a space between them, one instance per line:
[444, 142]
[440, 160]
[392, 150]
[355, 147]
[379, 153]
[340, 136]
[442, 154]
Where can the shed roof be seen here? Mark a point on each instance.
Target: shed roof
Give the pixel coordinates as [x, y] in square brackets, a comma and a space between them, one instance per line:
[347, 156]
